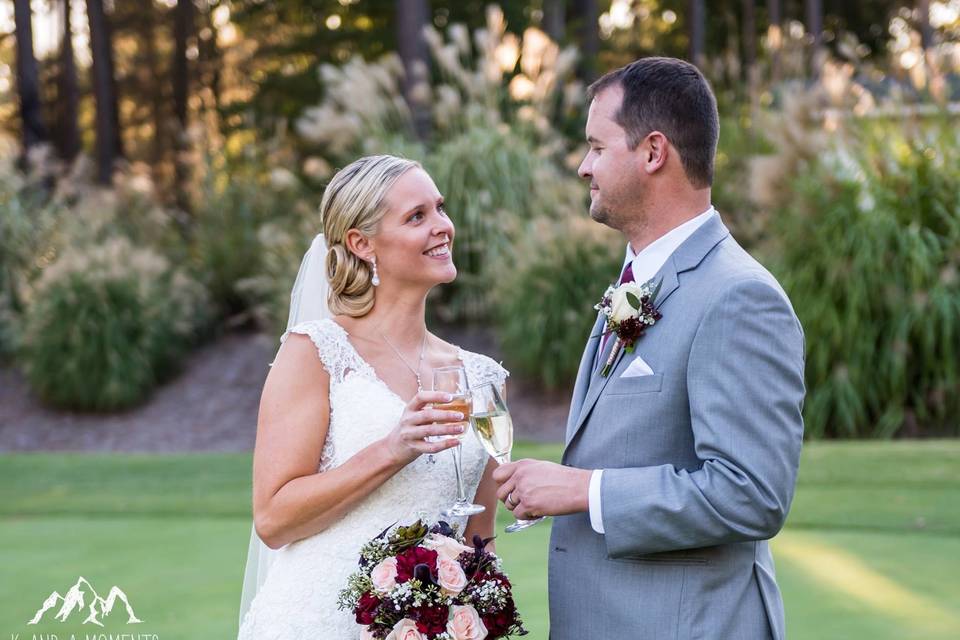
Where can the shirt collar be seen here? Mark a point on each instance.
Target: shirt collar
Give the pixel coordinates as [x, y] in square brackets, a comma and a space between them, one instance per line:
[647, 263]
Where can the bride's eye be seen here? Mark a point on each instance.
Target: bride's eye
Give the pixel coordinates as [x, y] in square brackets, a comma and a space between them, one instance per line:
[442, 208]
[416, 217]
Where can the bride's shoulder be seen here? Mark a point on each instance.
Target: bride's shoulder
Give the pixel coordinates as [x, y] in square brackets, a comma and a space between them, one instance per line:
[329, 343]
[321, 331]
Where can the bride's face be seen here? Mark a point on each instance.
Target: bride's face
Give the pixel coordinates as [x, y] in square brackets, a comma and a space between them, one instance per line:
[414, 244]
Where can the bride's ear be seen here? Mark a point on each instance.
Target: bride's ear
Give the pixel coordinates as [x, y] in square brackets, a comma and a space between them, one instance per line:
[358, 244]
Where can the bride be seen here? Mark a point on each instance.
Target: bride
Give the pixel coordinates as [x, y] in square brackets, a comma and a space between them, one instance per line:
[342, 450]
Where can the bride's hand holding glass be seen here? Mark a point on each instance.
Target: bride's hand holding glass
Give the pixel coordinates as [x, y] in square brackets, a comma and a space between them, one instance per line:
[409, 439]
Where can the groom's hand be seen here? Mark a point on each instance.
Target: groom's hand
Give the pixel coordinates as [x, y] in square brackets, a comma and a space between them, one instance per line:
[533, 488]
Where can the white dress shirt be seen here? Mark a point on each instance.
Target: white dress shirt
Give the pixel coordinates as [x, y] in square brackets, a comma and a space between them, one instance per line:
[646, 264]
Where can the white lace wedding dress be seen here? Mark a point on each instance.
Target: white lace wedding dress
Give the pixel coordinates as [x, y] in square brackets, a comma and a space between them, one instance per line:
[298, 600]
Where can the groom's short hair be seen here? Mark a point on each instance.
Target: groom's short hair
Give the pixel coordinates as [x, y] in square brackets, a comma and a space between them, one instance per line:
[670, 96]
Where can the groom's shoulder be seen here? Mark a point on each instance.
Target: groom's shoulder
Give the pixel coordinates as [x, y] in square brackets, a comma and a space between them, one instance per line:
[730, 267]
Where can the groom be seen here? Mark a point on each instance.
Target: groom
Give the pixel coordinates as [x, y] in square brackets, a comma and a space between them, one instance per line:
[679, 464]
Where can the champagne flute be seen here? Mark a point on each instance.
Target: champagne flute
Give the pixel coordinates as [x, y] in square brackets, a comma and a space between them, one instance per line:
[494, 428]
[453, 380]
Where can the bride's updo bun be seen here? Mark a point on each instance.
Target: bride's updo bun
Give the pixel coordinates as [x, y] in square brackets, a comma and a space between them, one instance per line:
[354, 199]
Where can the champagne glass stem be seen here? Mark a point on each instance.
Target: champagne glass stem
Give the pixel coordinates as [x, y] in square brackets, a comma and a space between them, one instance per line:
[458, 466]
[518, 524]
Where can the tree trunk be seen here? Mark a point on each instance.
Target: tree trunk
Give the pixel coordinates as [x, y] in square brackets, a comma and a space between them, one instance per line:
[588, 37]
[926, 31]
[28, 85]
[69, 93]
[555, 19]
[211, 59]
[182, 28]
[146, 30]
[814, 14]
[698, 32]
[412, 16]
[109, 146]
[749, 36]
[775, 36]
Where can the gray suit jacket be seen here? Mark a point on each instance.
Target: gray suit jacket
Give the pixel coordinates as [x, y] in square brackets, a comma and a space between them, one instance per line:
[700, 460]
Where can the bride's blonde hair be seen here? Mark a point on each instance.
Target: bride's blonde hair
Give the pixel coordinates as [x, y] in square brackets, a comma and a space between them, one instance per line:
[354, 199]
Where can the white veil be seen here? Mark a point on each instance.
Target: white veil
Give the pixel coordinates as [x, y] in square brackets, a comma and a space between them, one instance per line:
[308, 301]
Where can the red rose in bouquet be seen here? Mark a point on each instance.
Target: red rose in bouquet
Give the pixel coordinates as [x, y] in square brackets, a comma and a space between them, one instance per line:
[408, 561]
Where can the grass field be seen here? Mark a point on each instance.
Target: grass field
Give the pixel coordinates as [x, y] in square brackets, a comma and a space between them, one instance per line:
[871, 549]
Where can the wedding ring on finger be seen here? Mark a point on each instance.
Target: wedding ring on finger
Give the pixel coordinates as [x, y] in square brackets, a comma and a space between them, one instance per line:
[510, 503]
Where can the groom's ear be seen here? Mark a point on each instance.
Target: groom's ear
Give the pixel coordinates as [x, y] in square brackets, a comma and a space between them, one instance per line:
[359, 244]
[654, 150]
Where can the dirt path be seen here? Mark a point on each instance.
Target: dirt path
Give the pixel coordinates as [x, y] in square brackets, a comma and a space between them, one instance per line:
[212, 406]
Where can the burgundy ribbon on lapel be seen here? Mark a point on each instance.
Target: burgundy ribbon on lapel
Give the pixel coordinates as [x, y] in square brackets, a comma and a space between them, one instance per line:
[625, 277]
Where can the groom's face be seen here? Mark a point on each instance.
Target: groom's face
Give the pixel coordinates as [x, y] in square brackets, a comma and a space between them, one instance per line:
[616, 181]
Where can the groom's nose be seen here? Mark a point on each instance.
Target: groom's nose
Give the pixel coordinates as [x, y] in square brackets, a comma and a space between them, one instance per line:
[585, 170]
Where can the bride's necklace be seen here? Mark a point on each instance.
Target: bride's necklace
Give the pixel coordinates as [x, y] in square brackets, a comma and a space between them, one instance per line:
[423, 348]
[416, 372]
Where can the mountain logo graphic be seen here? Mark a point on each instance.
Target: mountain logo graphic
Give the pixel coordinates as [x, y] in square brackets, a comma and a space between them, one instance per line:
[82, 596]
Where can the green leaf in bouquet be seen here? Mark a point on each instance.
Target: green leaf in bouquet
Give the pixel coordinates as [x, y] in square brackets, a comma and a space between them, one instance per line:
[410, 536]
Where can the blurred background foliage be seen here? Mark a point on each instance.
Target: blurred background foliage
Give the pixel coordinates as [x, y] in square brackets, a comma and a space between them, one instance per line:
[162, 162]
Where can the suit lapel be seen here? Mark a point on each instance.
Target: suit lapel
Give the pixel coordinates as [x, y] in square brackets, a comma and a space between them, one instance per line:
[597, 383]
[584, 373]
[687, 257]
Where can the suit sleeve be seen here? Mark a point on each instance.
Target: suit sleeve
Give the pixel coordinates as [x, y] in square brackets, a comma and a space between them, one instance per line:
[746, 388]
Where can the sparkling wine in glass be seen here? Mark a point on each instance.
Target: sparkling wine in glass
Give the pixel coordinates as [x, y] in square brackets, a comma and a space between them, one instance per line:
[494, 428]
[453, 380]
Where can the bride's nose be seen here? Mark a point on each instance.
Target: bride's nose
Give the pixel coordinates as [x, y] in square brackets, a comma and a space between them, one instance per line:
[444, 227]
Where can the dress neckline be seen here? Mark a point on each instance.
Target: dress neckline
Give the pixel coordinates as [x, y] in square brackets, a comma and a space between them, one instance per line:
[373, 372]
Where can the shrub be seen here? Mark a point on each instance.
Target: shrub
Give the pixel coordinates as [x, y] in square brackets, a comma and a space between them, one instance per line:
[26, 219]
[267, 293]
[545, 299]
[234, 202]
[869, 252]
[494, 184]
[105, 323]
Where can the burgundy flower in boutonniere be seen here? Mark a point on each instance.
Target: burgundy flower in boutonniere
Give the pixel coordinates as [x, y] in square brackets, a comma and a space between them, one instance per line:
[629, 312]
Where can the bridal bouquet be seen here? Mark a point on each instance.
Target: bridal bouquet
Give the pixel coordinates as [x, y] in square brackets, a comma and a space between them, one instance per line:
[420, 583]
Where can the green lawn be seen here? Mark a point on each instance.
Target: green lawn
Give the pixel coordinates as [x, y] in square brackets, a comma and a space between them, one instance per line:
[872, 548]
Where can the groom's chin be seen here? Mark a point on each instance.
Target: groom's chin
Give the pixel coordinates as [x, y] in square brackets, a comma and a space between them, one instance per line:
[600, 215]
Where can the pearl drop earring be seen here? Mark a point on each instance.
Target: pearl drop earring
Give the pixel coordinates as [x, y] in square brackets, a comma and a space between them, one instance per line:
[375, 280]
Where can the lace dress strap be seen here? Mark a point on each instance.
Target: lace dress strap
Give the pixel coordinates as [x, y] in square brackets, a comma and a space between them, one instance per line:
[335, 351]
[482, 369]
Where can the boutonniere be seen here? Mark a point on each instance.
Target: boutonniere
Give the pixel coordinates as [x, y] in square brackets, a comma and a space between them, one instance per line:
[629, 311]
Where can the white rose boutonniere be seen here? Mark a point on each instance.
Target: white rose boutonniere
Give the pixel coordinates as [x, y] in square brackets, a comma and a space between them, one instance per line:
[629, 311]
